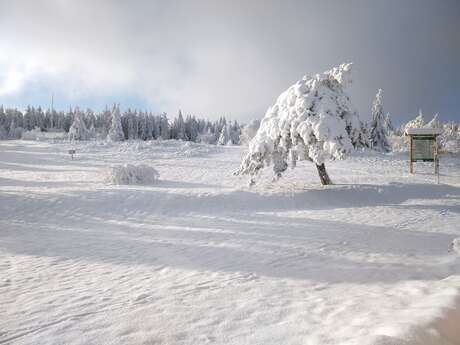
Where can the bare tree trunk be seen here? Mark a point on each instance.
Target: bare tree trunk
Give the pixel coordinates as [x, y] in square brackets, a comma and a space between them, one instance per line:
[323, 176]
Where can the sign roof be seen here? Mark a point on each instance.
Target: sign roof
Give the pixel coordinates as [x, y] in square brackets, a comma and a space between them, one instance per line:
[424, 131]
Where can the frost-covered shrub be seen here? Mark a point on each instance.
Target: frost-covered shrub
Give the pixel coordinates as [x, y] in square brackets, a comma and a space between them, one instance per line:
[398, 143]
[312, 120]
[450, 137]
[38, 135]
[34, 134]
[132, 174]
[208, 137]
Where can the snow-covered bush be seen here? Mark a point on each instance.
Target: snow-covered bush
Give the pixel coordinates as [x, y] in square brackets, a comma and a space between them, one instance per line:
[116, 130]
[208, 137]
[450, 138]
[312, 120]
[398, 143]
[34, 134]
[132, 174]
[39, 135]
[78, 130]
[377, 133]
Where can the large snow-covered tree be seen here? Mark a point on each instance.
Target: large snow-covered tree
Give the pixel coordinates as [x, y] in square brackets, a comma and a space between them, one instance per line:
[312, 120]
[116, 130]
[377, 133]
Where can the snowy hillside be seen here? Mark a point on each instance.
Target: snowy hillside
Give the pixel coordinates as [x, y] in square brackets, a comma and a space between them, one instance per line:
[197, 257]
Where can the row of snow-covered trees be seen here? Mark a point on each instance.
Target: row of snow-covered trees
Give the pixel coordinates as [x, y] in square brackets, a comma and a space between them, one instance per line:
[449, 139]
[117, 126]
[378, 134]
[384, 137]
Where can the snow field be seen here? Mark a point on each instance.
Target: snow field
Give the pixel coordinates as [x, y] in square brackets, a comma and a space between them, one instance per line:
[197, 257]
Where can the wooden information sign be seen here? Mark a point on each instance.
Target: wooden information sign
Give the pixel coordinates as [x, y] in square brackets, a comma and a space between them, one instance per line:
[423, 147]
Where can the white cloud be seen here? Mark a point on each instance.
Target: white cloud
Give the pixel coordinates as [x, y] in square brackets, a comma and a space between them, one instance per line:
[207, 57]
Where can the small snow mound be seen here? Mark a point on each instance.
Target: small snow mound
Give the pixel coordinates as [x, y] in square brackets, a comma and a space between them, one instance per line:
[456, 245]
[132, 174]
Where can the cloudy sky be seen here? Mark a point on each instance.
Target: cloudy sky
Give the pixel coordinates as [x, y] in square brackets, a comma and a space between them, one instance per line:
[231, 57]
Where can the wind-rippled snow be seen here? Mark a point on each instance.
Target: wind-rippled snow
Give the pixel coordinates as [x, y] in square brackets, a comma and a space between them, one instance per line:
[199, 258]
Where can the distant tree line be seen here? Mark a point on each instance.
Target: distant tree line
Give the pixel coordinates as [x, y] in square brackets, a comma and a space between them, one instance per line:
[132, 125]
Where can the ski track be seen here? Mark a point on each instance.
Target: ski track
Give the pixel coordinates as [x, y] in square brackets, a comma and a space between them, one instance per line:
[199, 258]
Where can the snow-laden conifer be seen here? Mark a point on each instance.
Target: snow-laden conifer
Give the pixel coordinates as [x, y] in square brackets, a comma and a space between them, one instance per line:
[116, 130]
[388, 125]
[225, 137]
[377, 133]
[78, 130]
[178, 127]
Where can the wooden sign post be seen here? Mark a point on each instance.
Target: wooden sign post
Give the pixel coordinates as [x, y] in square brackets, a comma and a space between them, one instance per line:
[423, 147]
[71, 153]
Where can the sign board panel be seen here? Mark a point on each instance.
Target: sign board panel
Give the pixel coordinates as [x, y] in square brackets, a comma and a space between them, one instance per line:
[423, 148]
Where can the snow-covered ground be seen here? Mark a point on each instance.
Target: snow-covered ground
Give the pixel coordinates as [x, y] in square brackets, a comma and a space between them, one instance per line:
[197, 257]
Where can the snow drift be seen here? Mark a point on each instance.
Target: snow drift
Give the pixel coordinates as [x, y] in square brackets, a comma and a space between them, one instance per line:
[199, 258]
[132, 174]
